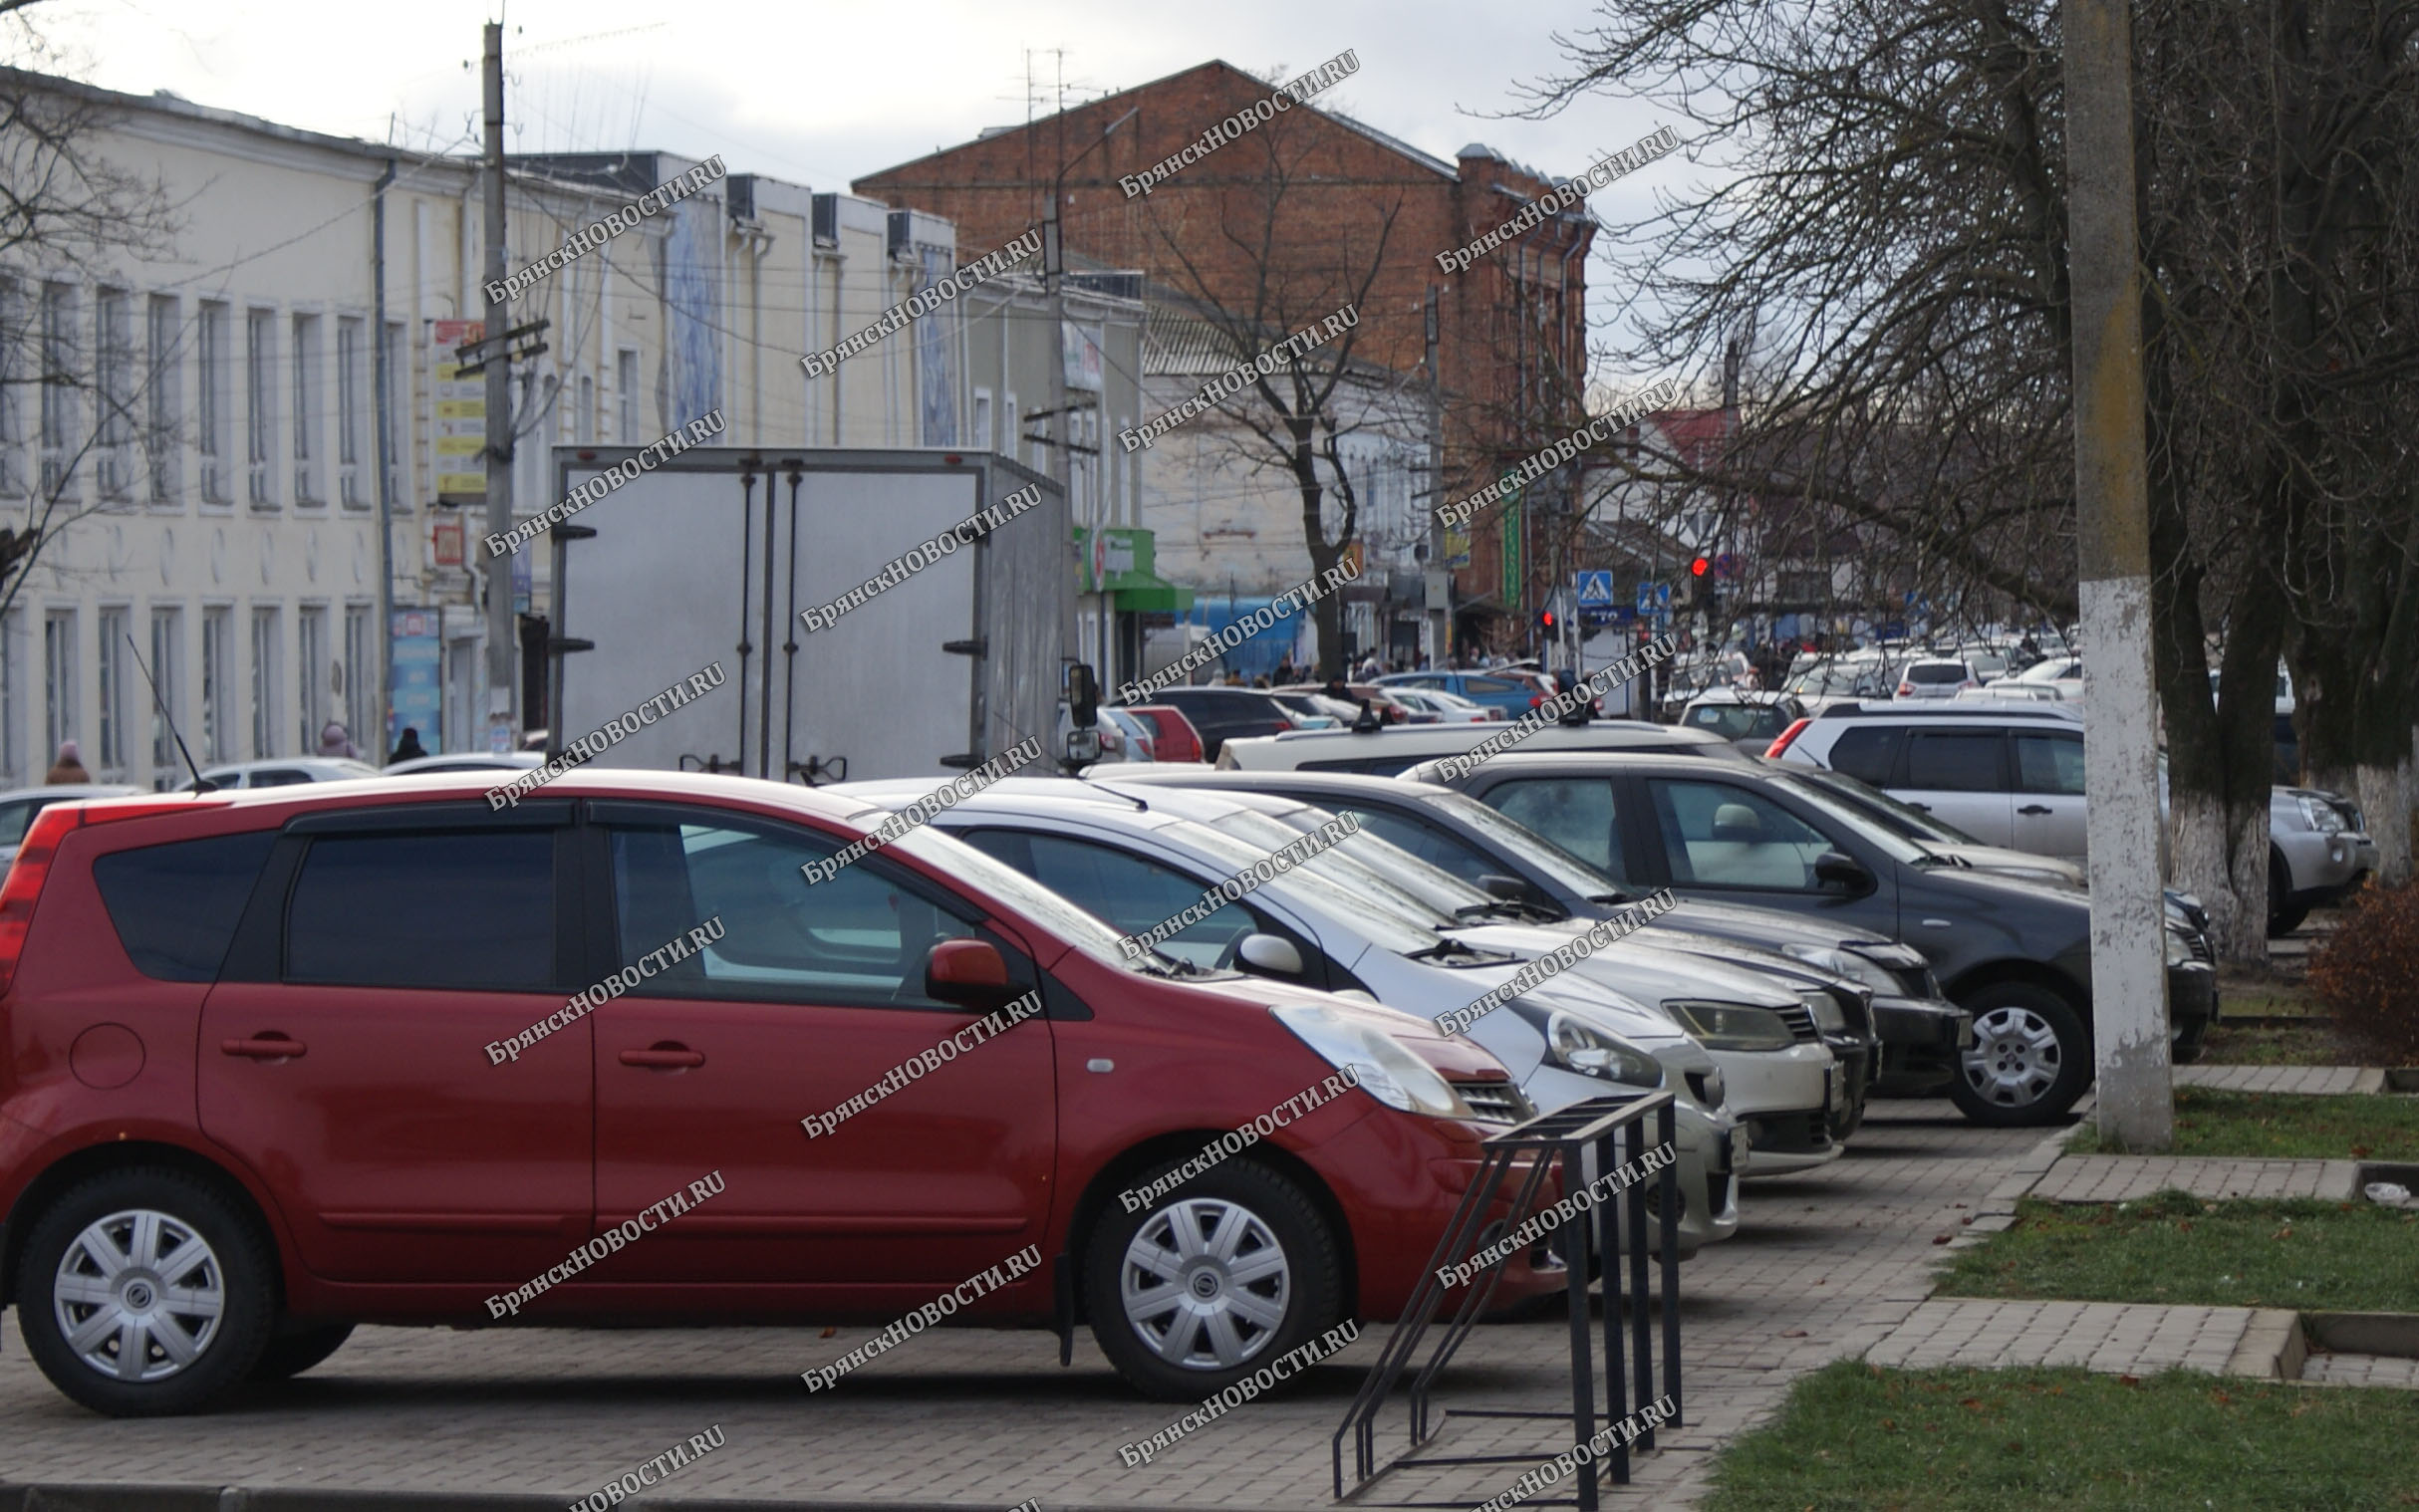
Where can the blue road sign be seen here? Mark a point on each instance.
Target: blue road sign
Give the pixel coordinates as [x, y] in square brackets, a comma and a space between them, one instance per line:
[1595, 588]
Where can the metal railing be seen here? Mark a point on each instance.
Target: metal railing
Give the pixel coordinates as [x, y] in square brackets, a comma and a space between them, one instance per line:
[1614, 1131]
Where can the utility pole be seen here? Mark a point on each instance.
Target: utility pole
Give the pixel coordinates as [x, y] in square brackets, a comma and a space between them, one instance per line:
[2112, 532]
[1439, 582]
[501, 703]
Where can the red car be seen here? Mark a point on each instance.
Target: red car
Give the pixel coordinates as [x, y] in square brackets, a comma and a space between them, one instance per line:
[1176, 739]
[274, 1063]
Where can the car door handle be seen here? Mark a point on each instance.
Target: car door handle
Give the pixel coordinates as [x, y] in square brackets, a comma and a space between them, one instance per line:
[663, 1057]
[272, 1047]
[2035, 807]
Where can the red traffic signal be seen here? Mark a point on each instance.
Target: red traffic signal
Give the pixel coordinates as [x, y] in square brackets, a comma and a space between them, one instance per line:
[1545, 620]
[1699, 567]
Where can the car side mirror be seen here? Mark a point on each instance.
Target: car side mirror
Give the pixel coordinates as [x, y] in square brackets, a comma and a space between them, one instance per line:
[1837, 869]
[971, 973]
[1509, 888]
[1271, 954]
[1083, 746]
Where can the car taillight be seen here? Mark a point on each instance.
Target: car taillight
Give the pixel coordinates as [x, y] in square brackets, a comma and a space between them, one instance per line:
[1782, 741]
[26, 876]
[1906, 690]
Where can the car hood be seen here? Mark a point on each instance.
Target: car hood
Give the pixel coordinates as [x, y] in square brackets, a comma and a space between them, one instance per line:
[1643, 971]
[1455, 1056]
[2000, 861]
[1768, 929]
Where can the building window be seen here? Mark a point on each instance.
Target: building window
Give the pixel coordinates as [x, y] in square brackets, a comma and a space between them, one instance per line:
[211, 416]
[217, 678]
[312, 668]
[112, 665]
[626, 394]
[583, 418]
[58, 386]
[12, 733]
[260, 402]
[112, 393]
[168, 675]
[983, 440]
[362, 692]
[163, 409]
[266, 717]
[352, 385]
[398, 431]
[58, 677]
[305, 412]
[15, 370]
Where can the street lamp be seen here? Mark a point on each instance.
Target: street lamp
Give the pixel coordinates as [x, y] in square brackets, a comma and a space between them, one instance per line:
[1053, 268]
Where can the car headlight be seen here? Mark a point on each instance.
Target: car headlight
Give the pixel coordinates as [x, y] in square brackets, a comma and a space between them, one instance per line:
[1731, 1026]
[2319, 814]
[2178, 949]
[1863, 973]
[1828, 1013]
[1574, 1044]
[1387, 1071]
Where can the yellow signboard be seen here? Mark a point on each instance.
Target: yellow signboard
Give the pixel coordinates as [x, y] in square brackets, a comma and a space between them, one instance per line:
[461, 424]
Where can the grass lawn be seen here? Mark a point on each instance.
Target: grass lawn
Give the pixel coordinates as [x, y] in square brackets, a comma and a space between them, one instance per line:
[2281, 1126]
[1855, 1437]
[2177, 1249]
[2266, 992]
[2315, 1043]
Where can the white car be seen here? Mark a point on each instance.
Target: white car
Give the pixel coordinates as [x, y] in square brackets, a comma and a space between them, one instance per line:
[1935, 678]
[1137, 861]
[287, 771]
[2061, 675]
[466, 761]
[1390, 751]
[18, 808]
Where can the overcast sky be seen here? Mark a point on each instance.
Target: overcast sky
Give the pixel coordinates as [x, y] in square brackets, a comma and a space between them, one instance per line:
[823, 92]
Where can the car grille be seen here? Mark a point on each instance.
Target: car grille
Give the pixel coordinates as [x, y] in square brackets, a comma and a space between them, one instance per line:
[1856, 1006]
[1495, 1101]
[2199, 944]
[1800, 1020]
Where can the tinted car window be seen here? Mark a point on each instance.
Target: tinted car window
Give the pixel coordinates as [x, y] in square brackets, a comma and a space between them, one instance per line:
[1439, 850]
[1723, 835]
[2050, 764]
[1937, 671]
[1956, 761]
[1574, 813]
[15, 817]
[1866, 753]
[457, 912]
[1131, 894]
[853, 938]
[176, 905]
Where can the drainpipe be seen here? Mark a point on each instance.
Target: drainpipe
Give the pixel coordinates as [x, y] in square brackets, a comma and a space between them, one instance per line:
[382, 379]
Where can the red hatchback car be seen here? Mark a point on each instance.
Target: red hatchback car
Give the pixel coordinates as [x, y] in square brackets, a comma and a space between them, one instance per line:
[268, 1070]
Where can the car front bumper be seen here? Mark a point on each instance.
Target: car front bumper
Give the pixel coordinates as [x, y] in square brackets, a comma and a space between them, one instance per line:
[1920, 1042]
[1708, 1179]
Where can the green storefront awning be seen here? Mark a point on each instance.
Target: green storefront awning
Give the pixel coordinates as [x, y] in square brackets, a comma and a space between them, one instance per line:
[1122, 562]
[1162, 597]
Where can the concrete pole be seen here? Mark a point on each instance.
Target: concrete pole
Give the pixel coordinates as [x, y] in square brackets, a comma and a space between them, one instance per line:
[2112, 530]
[499, 410]
[1440, 618]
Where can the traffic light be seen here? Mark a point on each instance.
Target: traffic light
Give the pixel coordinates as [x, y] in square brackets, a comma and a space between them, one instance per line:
[1546, 622]
[1700, 567]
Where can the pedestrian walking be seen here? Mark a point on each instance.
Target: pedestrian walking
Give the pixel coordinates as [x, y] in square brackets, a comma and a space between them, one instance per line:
[334, 741]
[69, 767]
[409, 748]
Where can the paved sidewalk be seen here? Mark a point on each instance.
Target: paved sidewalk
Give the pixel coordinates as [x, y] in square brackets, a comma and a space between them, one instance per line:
[2127, 1178]
[2115, 1338]
[1826, 1265]
[2322, 1080]
[2362, 1369]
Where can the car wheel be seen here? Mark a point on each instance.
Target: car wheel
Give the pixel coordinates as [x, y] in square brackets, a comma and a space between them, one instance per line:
[1218, 1278]
[144, 1293]
[2283, 917]
[2029, 1061]
[289, 1355]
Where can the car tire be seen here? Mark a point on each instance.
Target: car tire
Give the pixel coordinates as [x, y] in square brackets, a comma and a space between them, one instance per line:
[289, 1355]
[2030, 1059]
[96, 1252]
[2283, 917]
[1161, 1331]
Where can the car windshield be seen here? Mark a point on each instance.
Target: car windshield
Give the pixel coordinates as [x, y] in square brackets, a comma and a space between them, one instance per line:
[1508, 833]
[1391, 918]
[951, 857]
[1872, 830]
[1905, 818]
[1735, 722]
[1937, 671]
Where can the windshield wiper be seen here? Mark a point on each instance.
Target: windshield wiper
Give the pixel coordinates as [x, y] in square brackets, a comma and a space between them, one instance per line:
[1448, 947]
[1504, 907]
[1609, 897]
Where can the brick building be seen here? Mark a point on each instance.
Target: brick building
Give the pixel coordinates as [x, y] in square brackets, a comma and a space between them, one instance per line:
[1345, 213]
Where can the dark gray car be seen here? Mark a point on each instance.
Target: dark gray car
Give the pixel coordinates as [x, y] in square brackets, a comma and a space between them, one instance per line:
[2017, 954]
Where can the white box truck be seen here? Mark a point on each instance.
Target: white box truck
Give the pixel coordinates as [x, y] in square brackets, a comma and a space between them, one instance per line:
[711, 557]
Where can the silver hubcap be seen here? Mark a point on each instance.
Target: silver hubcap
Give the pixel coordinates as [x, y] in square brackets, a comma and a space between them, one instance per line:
[1204, 1284]
[2015, 1057]
[139, 1296]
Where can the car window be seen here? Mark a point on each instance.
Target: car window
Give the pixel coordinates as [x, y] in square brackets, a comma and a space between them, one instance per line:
[853, 938]
[1575, 813]
[1492, 686]
[1866, 753]
[2050, 764]
[1956, 761]
[14, 816]
[1716, 834]
[1731, 722]
[176, 905]
[1131, 894]
[457, 912]
[280, 777]
[1937, 671]
[1438, 850]
[1567, 870]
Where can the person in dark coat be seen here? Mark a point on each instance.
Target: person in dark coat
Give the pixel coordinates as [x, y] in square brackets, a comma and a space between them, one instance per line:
[69, 767]
[409, 748]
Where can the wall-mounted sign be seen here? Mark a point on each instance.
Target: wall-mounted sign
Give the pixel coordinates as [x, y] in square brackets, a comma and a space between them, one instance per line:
[459, 427]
